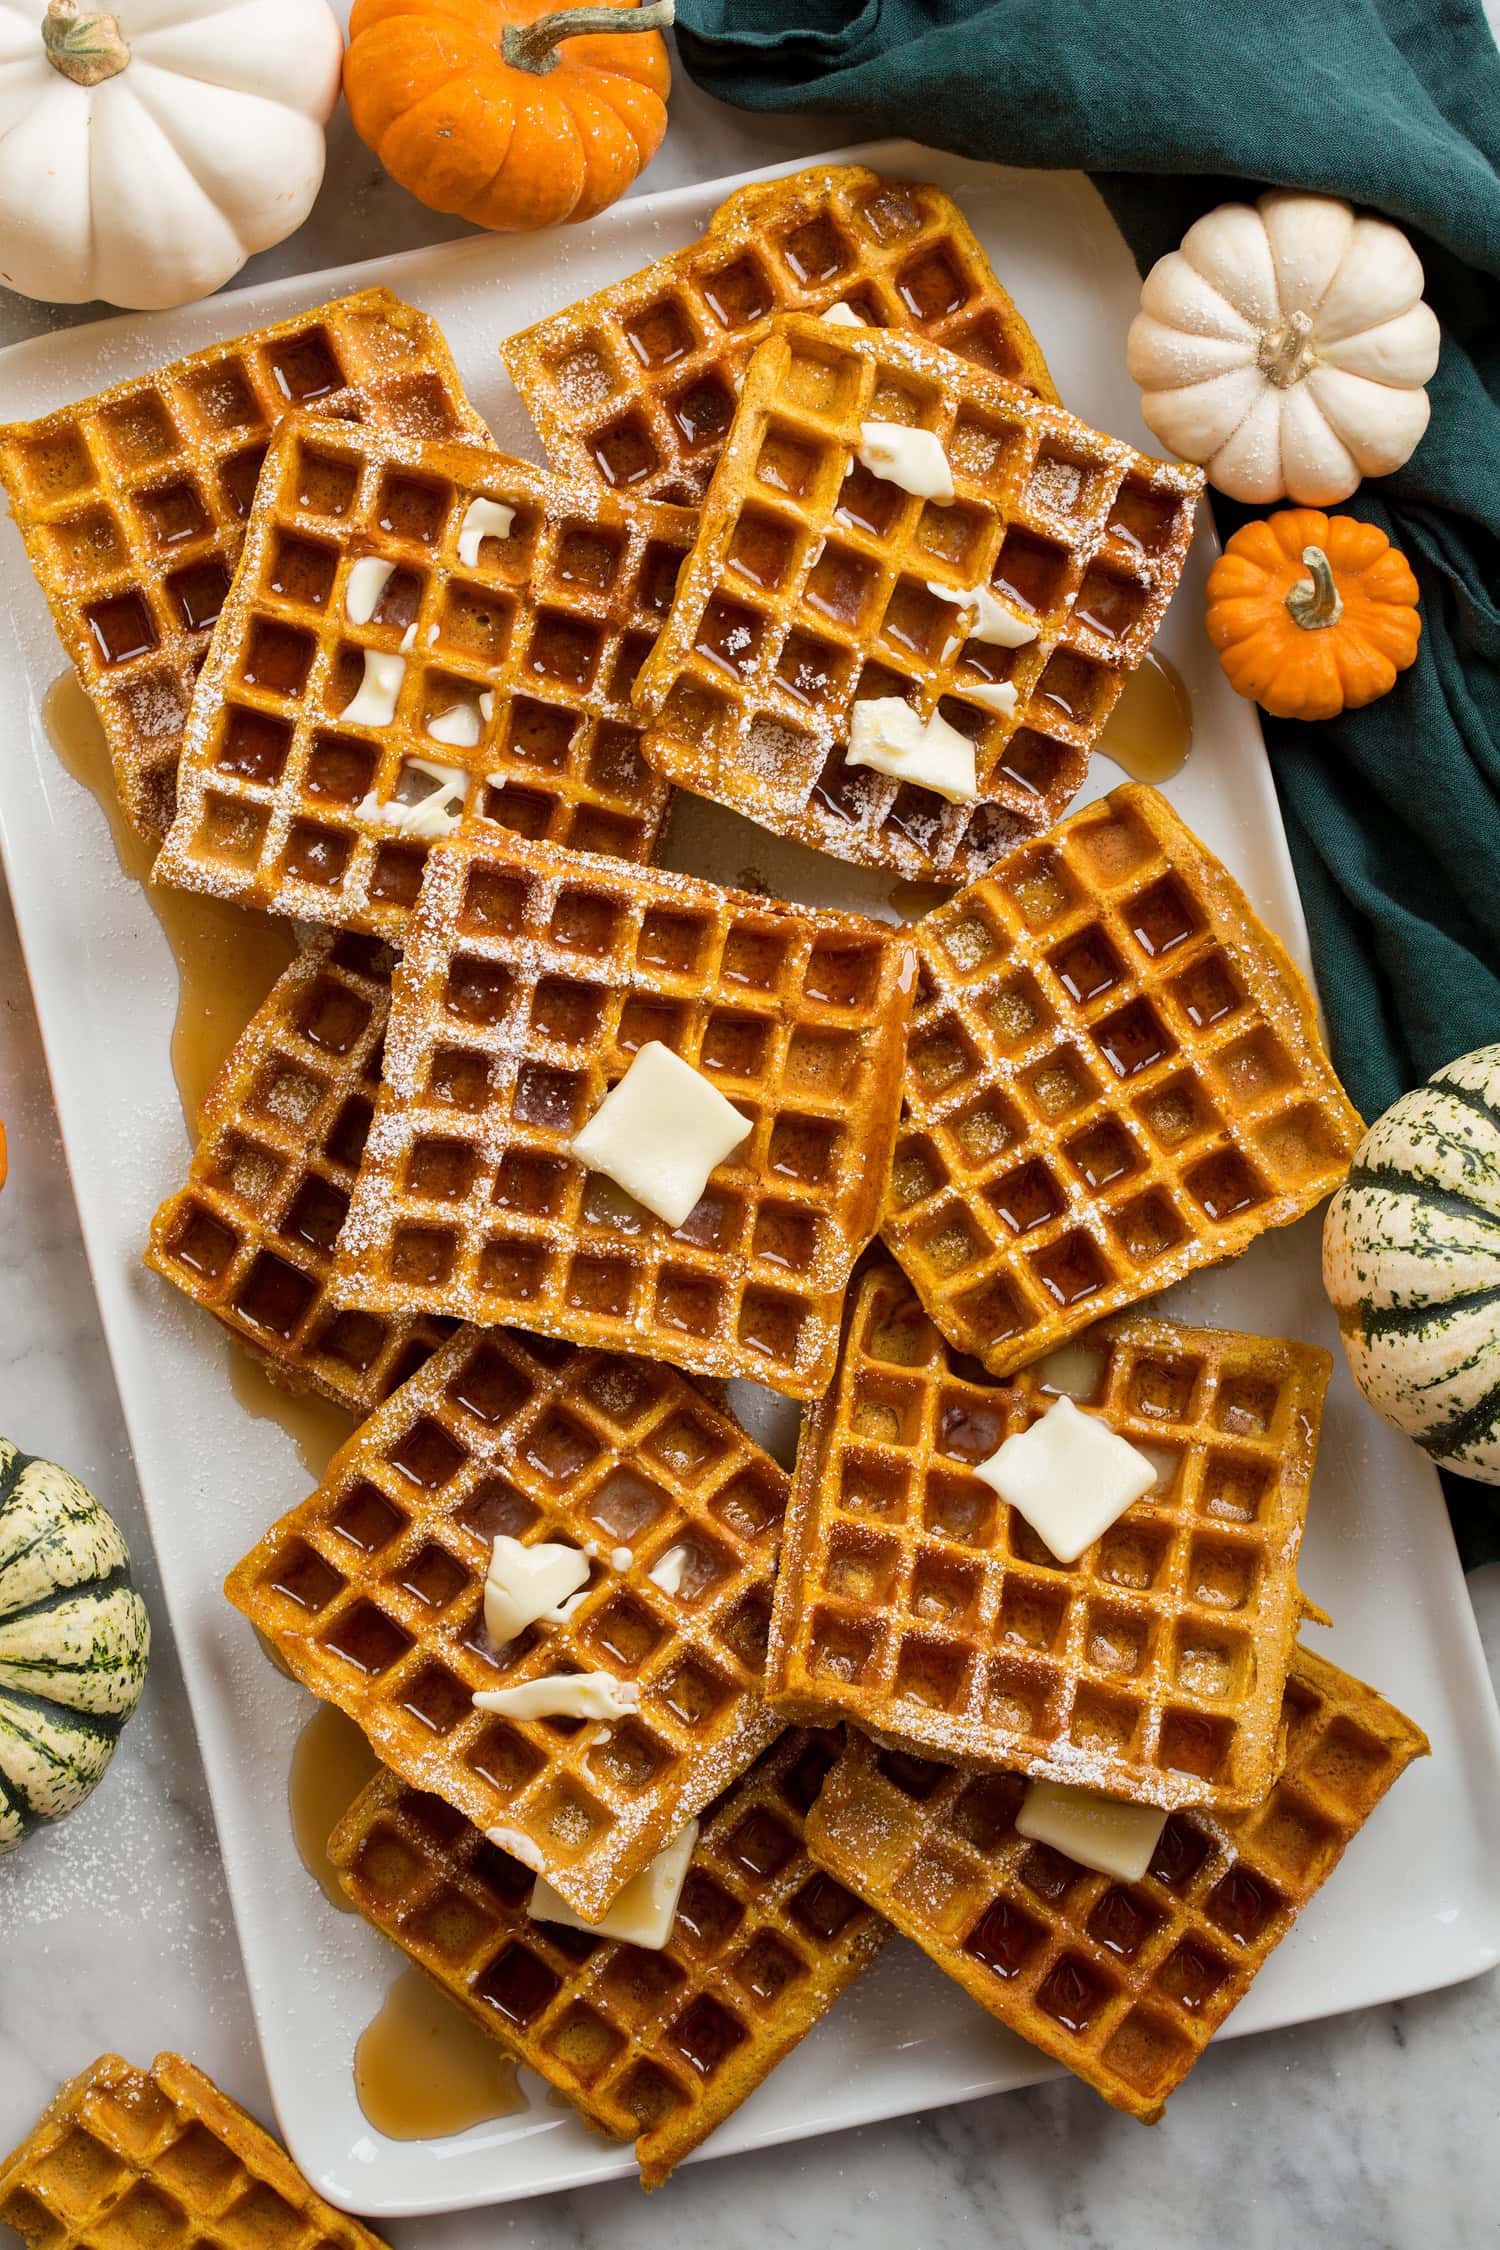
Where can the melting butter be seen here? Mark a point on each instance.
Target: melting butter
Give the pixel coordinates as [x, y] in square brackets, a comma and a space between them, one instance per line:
[887, 733]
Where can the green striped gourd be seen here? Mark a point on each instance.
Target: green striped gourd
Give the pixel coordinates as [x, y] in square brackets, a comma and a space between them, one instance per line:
[74, 1640]
[1411, 1262]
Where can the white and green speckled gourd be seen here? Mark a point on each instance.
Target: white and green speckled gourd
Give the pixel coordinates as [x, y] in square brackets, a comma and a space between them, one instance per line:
[74, 1640]
[1411, 1263]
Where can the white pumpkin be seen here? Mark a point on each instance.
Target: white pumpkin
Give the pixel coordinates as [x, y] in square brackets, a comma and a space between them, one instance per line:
[1285, 347]
[1411, 1263]
[143, 158]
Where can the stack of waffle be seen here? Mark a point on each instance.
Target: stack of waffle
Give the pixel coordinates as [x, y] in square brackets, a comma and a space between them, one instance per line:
[357, 668]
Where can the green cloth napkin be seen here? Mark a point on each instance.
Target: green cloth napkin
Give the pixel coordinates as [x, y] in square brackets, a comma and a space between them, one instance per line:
[1393, 812]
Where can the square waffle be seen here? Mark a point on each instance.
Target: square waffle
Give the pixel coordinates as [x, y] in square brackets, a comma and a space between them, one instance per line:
[635, 387]
[1115, 1076]
[914, 1602]
[132, 504]
[372, 1592]
[655, 2047]
[1124, 1983]
[531, 978]
[250, 1235]
[810, 590]
[125, 2158]
[282, 803]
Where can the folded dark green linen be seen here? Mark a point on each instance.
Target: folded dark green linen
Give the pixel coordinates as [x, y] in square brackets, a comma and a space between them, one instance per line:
[1393, 812]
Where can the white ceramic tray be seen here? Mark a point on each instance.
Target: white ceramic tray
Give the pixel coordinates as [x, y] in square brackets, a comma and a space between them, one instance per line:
[1417, 1903]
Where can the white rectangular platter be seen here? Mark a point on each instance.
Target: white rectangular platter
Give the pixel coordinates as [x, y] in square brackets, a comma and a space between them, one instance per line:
[1417, 1903]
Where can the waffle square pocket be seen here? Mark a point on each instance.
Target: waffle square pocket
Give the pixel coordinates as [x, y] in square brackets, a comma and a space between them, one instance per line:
[133, 504]
[1123, 1983]
[250, 1234]
[413, 633]
[1007, 615]
[634, 388]
[125, 2157]
[1115, 1076]
[658, 2047]
[915, 1603]
[532, 979]
[372, 1591]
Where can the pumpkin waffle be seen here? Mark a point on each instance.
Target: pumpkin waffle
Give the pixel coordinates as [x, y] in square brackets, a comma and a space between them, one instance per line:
[1115, 1076]
[916, 1603]
[512, 674]
[532, 977]
[372, 1591]
[133, 503]
[658, 2047]
[635, 387]
[250, 1235]
[1124, 1983]
[123, 2158]
[816, 585]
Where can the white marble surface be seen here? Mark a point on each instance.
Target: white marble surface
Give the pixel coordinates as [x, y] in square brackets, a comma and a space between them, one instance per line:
[1373, 2131]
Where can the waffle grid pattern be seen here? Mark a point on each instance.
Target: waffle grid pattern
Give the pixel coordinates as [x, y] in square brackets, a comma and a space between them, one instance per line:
[372, 1591]
[915, 1603]
[1124, 1983]
[531, 978]
[133, 503]
[1115, 1075]
[250, 1235]
[635, 387]
[659, 2047]
[810, 590]
[549, 624]
[125, 2158]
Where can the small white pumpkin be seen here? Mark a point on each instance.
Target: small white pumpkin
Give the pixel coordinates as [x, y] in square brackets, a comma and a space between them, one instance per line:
[74, 1642]
[1411, 1264]
[143, 158]
[1285, 347]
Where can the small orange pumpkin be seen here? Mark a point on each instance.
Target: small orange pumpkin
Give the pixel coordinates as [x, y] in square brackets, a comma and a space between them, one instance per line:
[1312, 614]
[512, 114]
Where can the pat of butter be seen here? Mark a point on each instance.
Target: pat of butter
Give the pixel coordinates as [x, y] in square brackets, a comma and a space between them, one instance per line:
[991, 620]
[563, 1695]
[1098, 1832]
[483, 519]
[643, 1912]
[459, 727]
[667, 1572]
[525, 1585]
[367, 581]
[659, 1133]
[430, 816]
[374, 704]
[1070, 1476]
[842, 316]
[911, 458]
[995, 695]
[886, 733]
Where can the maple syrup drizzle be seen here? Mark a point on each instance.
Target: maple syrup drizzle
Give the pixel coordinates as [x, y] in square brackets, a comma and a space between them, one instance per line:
[315, 1425]
[330, 1766]
[1149, 732]
[227, 958]
[423, 2070]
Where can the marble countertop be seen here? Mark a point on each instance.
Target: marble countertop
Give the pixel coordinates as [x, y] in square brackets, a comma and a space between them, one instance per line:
[1373, 2131]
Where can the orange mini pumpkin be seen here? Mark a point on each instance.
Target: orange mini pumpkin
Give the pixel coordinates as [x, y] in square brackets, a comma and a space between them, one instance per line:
[510, 113]
[1312, 614]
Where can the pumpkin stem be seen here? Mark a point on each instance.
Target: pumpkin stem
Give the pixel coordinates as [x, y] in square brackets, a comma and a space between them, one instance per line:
[84, 49]
[533, 46]
[1285, 354]
[1315, 601]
